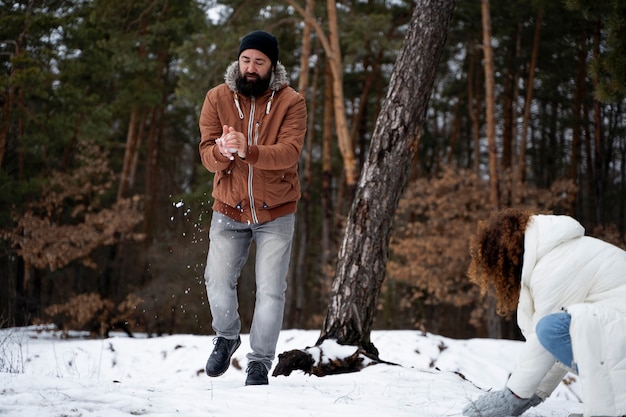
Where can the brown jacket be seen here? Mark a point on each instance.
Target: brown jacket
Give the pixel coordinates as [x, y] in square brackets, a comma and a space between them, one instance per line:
[265, 185]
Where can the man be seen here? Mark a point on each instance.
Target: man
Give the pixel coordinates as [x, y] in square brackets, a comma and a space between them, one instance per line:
[252, 133]
[570, 293]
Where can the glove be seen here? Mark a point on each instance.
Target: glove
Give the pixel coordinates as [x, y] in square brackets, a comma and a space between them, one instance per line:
[500, 404]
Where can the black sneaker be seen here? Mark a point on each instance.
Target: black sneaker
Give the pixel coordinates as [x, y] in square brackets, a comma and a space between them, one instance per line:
[219, 361]
[257, 374]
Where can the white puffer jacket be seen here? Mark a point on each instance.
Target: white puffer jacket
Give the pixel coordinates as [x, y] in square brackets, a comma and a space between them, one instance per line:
[564, 269]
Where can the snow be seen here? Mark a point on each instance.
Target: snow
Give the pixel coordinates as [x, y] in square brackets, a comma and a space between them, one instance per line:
[45, 375]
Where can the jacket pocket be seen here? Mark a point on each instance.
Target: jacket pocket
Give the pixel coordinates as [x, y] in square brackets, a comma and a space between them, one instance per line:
[279, 189]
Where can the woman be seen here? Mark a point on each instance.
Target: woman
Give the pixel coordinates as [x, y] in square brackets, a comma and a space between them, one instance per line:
[570, 293]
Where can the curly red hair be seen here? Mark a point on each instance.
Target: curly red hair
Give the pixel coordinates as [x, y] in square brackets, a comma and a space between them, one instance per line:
[497, 251]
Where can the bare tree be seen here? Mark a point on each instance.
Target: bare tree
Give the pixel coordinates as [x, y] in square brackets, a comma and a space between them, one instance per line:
[490, 104]
[332, 49]
[363, 254]
[529, 95]
[598, 167]
[474, 104]
[493, 320]
[296, 288]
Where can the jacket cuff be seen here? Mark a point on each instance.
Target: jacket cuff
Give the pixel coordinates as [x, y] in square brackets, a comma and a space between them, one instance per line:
[252, 155]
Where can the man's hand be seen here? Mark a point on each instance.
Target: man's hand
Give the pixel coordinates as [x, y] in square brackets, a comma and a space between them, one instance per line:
[500, 404]
[232, 142]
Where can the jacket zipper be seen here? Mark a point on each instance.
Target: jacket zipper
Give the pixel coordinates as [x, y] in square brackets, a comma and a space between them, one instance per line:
[250, 169]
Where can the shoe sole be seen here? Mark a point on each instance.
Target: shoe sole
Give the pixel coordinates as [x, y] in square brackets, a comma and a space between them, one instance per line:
[227, 362]
[251, 384]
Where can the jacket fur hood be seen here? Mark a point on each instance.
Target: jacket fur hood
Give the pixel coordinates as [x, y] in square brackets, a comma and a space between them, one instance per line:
[279, 77]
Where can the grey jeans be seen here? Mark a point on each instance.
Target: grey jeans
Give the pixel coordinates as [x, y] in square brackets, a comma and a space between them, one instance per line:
[229, 244]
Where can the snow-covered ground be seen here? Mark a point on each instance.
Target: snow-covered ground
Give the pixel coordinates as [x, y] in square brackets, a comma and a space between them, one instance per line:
[42, 375]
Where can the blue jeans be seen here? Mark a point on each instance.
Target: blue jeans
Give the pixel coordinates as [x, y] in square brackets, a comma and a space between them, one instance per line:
[553, 334]
[229, 245]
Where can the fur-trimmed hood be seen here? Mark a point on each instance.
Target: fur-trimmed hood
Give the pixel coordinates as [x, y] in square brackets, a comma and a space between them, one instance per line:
[279, 77]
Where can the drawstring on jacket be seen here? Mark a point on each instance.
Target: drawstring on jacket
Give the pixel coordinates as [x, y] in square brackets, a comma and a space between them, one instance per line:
[269, 102]
[238, 106]
[267, 109]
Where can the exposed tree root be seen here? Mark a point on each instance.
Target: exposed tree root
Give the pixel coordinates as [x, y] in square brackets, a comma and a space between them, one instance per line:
[305, 360]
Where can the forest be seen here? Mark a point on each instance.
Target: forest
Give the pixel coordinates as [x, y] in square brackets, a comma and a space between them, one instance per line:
[105, 206]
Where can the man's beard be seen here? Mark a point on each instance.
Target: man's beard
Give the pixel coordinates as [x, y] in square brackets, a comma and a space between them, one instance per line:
[254, 87]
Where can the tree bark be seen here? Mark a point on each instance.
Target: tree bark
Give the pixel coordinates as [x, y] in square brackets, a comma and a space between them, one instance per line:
[490, 104]
[598, 177]
[346, 147]
[303, 81]
[363, 254]
[328, 209]
[296, 290]
[574, 167]
[333, 53]
[494, 329]
[529, 96]
[508, 99]
[359, 119]
[473, 105]
[19, 45]
[129, 153]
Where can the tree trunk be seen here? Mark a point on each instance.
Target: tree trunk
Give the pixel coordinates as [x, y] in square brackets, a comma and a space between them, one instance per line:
[297, 278]
[362, 258]
[456, 129]
[577, 110]
[333, 53]
[5, 122]
[529, 96]
[621, 223]
[328, 219]
[303, 81]
[129, 153]
[507, 121]
[473, 105]
[597, 121]
[508, 106]
[490, 104]
[494, 329]
[359, 119]
[341, 125]
[589, 201]
[9, 102]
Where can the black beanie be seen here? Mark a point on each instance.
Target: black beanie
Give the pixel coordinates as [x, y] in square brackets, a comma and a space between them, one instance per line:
[261, 41]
